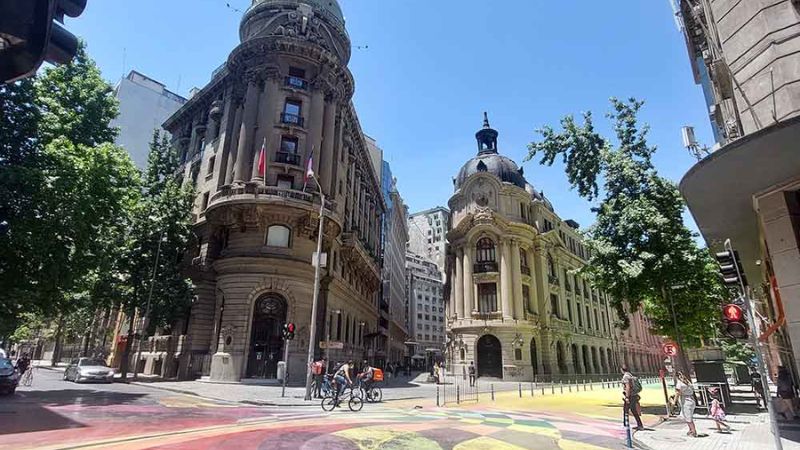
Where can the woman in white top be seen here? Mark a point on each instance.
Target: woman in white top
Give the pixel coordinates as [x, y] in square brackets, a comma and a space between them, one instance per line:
[685, 392]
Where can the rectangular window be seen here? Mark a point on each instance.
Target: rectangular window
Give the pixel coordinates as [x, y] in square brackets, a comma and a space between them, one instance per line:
[487, 297]
[289, 145]
[554, 304]
[588, 318]
[526, 297]
[518, 354]
[211, 162]
[205, 201]
[291, 112]
[419, 315]
[296, 78]
[285, 181]
[427, 317]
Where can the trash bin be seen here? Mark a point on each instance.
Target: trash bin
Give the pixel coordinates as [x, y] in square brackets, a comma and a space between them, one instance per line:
[281, 370]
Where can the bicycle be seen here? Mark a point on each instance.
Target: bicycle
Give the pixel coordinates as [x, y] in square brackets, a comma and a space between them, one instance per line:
[334, 399]
[326, 388]
[372, 394]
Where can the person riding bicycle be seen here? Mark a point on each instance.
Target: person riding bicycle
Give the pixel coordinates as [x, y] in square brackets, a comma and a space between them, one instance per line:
[23, 363]
[367, 376]
[342, 377]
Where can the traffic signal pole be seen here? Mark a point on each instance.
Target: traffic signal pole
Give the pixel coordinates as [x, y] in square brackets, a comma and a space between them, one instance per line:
[761, 365]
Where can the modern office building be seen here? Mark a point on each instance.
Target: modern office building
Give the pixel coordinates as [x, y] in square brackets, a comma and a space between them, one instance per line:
[395, 236]
[744, 55]
[426, 234]
[517, 308]
[426, 310]
[281, 104]
[144, 104]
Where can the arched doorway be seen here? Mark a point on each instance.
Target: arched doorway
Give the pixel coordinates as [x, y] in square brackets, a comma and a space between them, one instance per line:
[266, 344]
[534, 360]
[575, 363]
[561, 359]
[490, 357]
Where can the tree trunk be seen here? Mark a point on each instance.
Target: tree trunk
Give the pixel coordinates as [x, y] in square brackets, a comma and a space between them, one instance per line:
[57, 345]
[682, 359]
[126, 354]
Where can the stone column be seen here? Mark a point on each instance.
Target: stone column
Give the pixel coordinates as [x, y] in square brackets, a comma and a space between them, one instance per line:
[327, 154]
[469, 285]
[314, 126]
[246, 132]
[452, 307]
[535, 267]
[232, 147]
[542, 284]
[505, 280]
[516, 289]
[351, 194]
[459, 288]
[266, 120]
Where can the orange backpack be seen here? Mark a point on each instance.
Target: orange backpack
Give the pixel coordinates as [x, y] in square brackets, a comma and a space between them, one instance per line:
[377, 374]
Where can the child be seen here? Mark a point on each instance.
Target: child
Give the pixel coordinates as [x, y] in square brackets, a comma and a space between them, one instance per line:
[716, 411]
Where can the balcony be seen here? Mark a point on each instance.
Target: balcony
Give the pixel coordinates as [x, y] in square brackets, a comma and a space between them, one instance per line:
[525, 270]
[287, 158]
[252, 192]
[553, 279]
[484, 267]
[296, 83]
[292, 119]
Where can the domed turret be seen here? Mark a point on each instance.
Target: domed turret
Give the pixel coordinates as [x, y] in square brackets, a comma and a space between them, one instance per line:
[488, 160]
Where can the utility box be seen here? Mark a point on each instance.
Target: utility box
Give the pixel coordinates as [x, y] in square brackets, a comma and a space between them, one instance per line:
[281, 370]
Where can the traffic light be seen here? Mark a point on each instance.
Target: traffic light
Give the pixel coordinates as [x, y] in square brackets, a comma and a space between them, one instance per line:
[730, 266]
[735, 321]
[288, 331]
[31, 33]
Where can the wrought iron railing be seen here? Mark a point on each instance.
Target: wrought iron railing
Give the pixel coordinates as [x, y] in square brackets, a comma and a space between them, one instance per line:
[287, 158]
[484, 267]
[292, 119]
[296, 82]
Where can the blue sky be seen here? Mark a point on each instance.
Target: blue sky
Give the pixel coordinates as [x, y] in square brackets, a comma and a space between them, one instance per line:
[433, 66]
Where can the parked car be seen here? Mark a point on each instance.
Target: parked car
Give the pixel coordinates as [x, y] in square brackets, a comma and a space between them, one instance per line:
[88, 369]
[9, 378]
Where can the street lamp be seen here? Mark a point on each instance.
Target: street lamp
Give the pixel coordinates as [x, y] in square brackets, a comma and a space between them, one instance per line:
[147, 308]
[317, 272]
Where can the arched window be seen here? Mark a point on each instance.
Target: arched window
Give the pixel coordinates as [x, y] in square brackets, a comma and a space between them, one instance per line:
[485, 248]
[278, 236]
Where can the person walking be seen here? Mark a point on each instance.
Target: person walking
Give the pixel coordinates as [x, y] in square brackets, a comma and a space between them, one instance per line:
[471, 372]
[685, 392]
[787, 392]
[631, 389]
[758, 388]
[716, 410]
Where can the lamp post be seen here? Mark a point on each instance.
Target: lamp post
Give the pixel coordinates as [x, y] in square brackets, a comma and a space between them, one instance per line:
[147, 309]
[314, 305]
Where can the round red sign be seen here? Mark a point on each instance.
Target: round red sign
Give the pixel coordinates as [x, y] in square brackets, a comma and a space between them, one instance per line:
[670, 349]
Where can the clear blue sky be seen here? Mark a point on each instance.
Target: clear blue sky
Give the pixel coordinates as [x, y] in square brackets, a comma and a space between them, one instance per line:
[433, 66]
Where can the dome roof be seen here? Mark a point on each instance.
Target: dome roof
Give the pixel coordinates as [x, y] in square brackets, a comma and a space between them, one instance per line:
[497, 165]
[326, 7]
[488, 160]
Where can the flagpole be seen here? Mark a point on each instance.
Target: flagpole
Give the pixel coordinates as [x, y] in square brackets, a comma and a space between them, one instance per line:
[314, 304]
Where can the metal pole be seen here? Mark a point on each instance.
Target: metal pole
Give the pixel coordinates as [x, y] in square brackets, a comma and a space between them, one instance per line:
[285, 365]
[756, 344]
[314, 305]
[147, 309]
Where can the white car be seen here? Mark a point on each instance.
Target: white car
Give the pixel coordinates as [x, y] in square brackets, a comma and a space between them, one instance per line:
[88, 369]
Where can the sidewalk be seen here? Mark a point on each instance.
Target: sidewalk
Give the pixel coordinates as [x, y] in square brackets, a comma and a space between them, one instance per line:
[750, 431]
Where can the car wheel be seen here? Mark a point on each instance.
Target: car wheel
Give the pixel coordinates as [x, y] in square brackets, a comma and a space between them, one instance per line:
[65, 376]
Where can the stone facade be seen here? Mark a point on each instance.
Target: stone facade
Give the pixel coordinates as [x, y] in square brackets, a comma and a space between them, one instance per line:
[426, 234]
[517, 307]
[287, 89]
[426, 308]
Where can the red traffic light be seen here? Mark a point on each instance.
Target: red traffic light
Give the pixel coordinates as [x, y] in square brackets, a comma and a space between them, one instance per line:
[290, 327]
[732, 313]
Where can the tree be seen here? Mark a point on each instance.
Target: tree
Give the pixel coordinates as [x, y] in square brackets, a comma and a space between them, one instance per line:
[160, 235]
[641, 252]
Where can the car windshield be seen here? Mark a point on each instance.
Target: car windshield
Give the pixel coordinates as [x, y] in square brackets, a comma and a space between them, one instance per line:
[6, 364]
[91, 362]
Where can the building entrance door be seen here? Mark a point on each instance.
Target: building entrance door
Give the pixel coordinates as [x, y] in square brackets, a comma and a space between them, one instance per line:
[490, 357]
[534, 359]
[266, 342]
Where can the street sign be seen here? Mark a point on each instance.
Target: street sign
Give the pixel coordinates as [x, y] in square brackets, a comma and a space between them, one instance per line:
[331, 345]
[670, 349]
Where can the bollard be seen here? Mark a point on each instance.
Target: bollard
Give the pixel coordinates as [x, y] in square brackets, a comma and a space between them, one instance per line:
[458, 395]
[520, 390]
[552, 388]
[437, 396]
[626, 423]
[591, 386]
[570, 387]
[561, 385]
[542, 390]
[492, 391]
[531, 389]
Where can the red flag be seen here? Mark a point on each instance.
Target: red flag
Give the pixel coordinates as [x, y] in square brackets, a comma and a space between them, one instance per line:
[262, 160]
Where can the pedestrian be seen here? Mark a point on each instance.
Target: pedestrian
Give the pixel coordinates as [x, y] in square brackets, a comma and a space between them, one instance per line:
[786, 392]
[631, 389]
[472, 374]
[318, 371]
[396, 369]
[685, 392]
[758, 388]
[436, 372]
[717, 411]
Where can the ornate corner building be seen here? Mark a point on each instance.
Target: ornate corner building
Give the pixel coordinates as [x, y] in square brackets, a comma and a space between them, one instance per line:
[516, 307]
[285, 88]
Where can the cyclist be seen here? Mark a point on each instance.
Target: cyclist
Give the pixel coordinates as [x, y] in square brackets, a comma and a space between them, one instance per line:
[342, 378]
[23, 363]
[367, 376]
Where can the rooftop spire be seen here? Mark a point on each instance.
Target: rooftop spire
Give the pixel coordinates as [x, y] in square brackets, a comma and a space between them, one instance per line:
[487, 137]
[486, 120]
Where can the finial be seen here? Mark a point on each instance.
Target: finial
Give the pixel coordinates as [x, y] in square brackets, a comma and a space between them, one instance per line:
[485, 120]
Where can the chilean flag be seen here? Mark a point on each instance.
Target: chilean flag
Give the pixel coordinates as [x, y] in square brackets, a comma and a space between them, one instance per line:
[262, 160]
[309, 171]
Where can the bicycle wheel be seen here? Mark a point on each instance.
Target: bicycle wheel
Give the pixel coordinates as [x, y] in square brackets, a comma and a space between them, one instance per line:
[328, 404]
[355, 403]
[375, 395]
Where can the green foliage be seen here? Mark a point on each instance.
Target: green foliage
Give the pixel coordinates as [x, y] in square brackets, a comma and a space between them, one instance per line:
[642, 254]
[738, 351]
